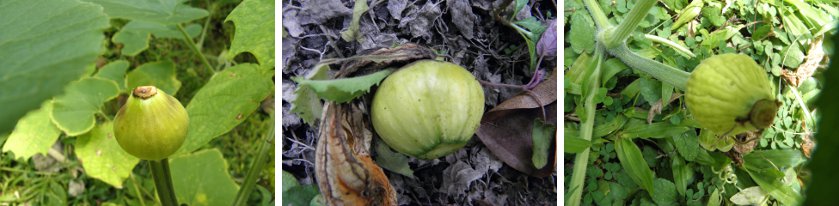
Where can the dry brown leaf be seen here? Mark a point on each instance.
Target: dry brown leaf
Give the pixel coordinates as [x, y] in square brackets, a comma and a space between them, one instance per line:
[656, 108]
[814, 57]
[346, 174]
[506, 129]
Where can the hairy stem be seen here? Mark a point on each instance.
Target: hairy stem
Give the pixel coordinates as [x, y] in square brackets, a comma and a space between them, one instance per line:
[163, 182]
[662, 72]
[616, 37]
[586, 130]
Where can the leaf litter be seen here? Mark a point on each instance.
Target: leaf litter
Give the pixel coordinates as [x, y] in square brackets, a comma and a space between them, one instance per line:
[462, 32]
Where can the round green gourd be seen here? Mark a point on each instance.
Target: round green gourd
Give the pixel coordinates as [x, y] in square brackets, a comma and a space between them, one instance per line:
[428, 108]
[151, 125]
[731, 94]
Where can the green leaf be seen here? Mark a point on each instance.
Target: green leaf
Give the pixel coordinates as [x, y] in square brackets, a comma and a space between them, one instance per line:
[225, 101]
[45, 44]
[543, 135]
[711, 141]
[637, 128]
[682, 174]
[102, 157]
[612, 67]
[715, 199]
[688, 13]
[34, 134]
[581, 35]
[74, 111]
[135, 35]
[392, 161]
[531, 36]
[575, 145]
[306, 103]
[713, 12]
[289, 181]
[687, 144]
[300, 195]
[607, 128]
[114, 71]
[201, 178]
[793, 56]
[665, 192]
[634, 164]
[160, 74]
[519, 5]
[167, 12]
[343, 90]
[650, 89]
[254, 21]
[749, 196]
[351, 33]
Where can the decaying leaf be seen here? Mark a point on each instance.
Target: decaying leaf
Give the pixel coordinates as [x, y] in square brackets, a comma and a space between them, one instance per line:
[462, 17]
[392, 161]
[375, 60]
[506, 129]
[346, 174]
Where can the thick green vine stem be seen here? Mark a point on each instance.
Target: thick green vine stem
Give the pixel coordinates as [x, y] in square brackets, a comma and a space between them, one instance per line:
[617, 36]
[663, 72]
[163, 182]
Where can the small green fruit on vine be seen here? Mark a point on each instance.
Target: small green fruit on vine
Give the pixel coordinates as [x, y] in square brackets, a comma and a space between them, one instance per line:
[151, 125]
[428, 108]
[731, 94]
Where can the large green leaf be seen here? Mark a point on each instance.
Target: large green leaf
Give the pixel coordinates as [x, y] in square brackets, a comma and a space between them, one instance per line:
[114, 71]
[254, 21]
[102, 157]
[160, 74]
[224, 102]
[160, 11]
[135, 35]
[201, 178]
[633, 162]
[44, 45]
[34, 134]
[74, 112]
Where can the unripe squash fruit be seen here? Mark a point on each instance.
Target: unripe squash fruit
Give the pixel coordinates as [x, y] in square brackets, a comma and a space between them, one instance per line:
[428, 108]
[151, 125]
[731, 94]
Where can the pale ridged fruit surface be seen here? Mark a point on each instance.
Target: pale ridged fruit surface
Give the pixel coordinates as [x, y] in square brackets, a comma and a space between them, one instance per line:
[723, 89]
[151, 128]
[428, 108]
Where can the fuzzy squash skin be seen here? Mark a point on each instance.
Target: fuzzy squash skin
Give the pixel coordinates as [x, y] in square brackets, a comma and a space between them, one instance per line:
[428, 108]
[722, 93]
[151, 126]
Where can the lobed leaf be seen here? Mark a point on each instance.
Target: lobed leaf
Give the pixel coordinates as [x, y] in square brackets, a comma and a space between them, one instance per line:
[254, 21]
[167, 12]
[44, 45]
[224, 102]
[160, 74]
[33, 134]
[74, 112]
[102, 157]
[201, 178]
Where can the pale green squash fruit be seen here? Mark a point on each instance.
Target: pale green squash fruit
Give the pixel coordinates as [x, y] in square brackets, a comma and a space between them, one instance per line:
[730, 94]
[151, 125]
[428, 109]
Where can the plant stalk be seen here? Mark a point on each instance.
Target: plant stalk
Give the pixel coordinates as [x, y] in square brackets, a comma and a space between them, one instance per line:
[260, 161]
[597, 14]
[163, 182]
[208, 69]
[616, 37]
[662, 72]
[586, 130]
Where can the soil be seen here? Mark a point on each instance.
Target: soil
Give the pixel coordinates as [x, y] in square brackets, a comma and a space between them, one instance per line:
[463, 32]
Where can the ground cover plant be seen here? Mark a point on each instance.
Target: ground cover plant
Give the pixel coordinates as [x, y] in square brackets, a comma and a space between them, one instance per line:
[368, 119]
[70, 65]
[696, 102]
